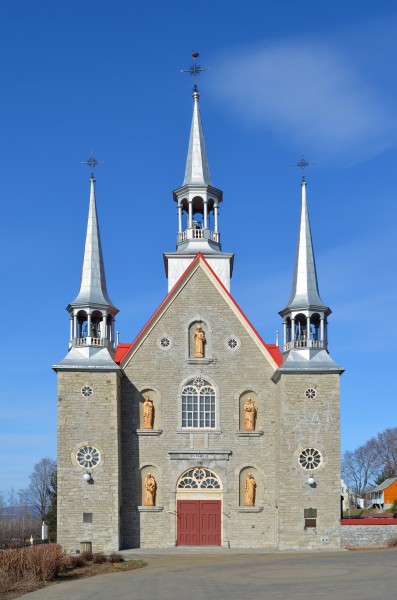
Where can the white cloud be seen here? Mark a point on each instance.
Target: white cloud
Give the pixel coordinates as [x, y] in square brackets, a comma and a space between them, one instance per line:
[311, 94]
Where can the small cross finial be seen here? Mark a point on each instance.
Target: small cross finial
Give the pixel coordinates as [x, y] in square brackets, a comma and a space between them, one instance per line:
[92, 162]
[303, 164]
[194, 70]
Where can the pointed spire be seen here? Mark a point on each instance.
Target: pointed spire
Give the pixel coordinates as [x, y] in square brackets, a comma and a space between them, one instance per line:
[197, 169]
[304, 293]
[93, 281]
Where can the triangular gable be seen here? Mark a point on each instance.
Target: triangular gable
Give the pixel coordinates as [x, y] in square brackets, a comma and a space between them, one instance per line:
[271, 352]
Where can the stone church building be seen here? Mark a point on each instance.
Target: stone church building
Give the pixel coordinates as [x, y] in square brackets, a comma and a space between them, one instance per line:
[198, 432]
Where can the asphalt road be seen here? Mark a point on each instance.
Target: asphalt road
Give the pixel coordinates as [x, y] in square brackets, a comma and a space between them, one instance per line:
[358, 575]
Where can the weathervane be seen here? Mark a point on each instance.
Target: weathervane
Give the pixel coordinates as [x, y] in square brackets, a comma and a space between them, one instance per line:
[194, 70]
[303, 164]
[92, 162]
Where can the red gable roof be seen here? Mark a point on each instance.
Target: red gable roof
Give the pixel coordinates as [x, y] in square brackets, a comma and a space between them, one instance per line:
[123, 349]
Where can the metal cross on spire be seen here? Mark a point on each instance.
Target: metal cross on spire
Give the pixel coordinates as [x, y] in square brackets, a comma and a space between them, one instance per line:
[303, 164]
[194, 70]
[92, 162]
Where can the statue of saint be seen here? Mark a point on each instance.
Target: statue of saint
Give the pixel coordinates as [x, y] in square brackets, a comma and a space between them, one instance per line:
[148, 414]
[199, 338]
[150, 490]
[249, 489]
[249, 415]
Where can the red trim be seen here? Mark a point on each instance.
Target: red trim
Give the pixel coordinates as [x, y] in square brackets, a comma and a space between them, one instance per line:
[368, 521]
[273, 350]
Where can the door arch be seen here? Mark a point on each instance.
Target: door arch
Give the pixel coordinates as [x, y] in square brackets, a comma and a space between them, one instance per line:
[199, 508]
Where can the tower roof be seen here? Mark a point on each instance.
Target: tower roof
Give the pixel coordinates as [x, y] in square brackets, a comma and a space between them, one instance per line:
[304, 292]
[93, 281]
[197, 170]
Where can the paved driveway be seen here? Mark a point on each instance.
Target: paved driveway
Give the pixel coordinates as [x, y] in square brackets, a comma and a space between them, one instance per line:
[359, 575]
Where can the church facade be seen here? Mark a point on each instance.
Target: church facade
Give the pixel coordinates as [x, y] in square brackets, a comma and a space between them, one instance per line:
[198, 432]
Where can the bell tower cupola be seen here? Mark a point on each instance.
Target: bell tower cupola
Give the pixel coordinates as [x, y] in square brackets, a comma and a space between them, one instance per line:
[305, 326]
[92, 313]
[198, 203]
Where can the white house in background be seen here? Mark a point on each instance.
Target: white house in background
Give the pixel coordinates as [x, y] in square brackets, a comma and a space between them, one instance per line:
[349, 497]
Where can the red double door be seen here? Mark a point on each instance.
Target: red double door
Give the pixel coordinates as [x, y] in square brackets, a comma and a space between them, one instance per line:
[199, 522]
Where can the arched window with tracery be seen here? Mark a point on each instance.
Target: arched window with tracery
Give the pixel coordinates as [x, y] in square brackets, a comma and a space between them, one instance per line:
[198, 404]
[199, 478]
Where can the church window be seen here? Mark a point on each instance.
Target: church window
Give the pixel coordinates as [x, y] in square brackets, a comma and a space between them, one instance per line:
[233, 343]
[310, 459]
[310, 393]
[87, 457]
[86, 391]
[198, 404]
[164, 342]
[199, 478]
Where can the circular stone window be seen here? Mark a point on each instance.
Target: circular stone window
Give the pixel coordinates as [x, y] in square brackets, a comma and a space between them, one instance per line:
[164, 342]
[310, 459]
[86, 391]
[310, 393]
[233, 343]
[88, 457]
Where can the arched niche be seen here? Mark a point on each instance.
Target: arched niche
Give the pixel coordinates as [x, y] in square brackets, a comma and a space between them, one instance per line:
[243, 400]
[153, 471]
[153, 395]
[248, 484]
[191, 342]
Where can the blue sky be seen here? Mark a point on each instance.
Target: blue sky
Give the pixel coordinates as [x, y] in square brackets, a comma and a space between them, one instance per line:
[284, 78]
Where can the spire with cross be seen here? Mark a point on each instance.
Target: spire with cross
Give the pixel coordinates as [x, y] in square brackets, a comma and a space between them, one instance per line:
[303, 164]
[92, 163]
[194, 70]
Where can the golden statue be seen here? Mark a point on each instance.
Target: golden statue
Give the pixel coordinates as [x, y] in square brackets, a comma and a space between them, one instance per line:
[148, 414]
[249, 415]
[199, 338]
[150, 490]
[249, 489]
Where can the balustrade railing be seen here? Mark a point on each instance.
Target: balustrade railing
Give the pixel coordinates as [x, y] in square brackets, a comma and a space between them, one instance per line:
[299, 344]
[198, 234]
[89, 341]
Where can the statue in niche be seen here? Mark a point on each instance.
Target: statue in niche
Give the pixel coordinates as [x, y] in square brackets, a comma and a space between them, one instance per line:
[249, 490]
[150, 490]
[199, 339]
[148, 414]
[249, 415]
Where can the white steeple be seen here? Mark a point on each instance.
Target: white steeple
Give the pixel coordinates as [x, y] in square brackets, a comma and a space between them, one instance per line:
[197, 169]
[198, 205]
[305, 315]
[93, 280]
[91, 312]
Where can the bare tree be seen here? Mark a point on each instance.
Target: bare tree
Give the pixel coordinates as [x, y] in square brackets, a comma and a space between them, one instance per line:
[386, 443]
[361, 466]
[40, 485]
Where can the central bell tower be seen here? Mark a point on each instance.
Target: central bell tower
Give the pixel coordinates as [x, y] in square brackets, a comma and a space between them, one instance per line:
[198, 203]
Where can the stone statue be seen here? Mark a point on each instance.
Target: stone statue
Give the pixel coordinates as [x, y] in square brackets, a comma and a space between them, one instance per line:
[199, 338]
[150, 490]
[249, 489]
[249, 415]
[148, 414]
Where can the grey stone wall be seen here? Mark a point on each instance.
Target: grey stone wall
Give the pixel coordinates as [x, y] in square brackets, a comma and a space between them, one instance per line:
[309, 423]
[94, 421]
[356, 536]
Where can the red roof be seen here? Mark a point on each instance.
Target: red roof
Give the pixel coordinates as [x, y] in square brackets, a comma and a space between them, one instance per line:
[123, 349]
[120, 352]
